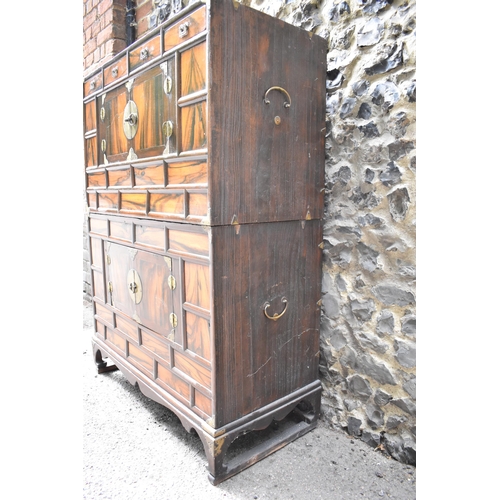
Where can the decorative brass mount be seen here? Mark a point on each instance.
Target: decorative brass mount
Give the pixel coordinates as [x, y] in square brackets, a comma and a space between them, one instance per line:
[281, 89]
[130, 120]
[134, 284]
[276, 316]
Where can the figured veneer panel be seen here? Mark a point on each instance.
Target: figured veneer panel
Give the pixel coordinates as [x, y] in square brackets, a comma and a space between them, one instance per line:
[120, 230]
[156, 345]
[140, 359]
[134, 203]
[198, 204]
[198, 335]
[193, 69]
[149, 175]
[203, 403]
[194, 126]
[90, 116]
[173, 382]
[115, 71]
[119, 178]
[167, 203]
[152, 109]
[188, 242]
[111, 126]
[99, 226]
[149, 236]
[100, 330]
[128, 328]
[96, 179]
[91, 159]
[118, 263]
[107, 201]
[144, 53]
[154, 310]
[192, 369]
[93, 84]
[115, 339]
[96, 253]
[187, 172]
[190, 25]
[98, 285]
[197, 285]
[92, 200]
[104, 314]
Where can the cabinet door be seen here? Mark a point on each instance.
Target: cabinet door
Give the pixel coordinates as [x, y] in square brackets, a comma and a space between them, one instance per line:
[137, 119]
[142, 286]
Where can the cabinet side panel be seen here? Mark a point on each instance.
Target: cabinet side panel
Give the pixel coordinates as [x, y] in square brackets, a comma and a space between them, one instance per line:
[259, 360]
[266, 159]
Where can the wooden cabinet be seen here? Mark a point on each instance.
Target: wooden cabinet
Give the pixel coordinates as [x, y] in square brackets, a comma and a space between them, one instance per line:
[204, 163]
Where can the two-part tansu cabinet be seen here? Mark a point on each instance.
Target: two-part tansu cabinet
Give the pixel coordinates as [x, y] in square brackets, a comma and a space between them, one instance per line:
[204, 168]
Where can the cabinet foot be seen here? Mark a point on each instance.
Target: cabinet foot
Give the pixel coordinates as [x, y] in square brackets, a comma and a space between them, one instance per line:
[244, 446]
[102, 366]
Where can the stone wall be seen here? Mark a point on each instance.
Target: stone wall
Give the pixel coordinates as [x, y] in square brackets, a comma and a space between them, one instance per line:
[368, 324]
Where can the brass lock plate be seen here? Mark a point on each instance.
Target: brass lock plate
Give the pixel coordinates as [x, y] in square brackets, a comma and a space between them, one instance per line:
[130, 120]
[134, 285]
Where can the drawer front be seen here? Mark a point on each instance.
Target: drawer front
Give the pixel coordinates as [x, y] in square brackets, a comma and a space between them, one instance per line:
[92, 84]
[115, 71]
[185, 29]
[144, 53]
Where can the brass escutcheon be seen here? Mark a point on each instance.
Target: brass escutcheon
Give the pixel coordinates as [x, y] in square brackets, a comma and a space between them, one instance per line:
[130, 120]
[134, 284]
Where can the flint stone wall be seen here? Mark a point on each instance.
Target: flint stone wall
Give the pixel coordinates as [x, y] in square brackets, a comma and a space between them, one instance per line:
[368, 324]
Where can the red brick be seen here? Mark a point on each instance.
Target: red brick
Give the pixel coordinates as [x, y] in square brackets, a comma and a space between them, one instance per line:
[103, 6]
[105, 34]
[89, 19]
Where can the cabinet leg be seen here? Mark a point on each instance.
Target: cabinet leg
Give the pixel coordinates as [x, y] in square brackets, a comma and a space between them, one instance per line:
[102, 366]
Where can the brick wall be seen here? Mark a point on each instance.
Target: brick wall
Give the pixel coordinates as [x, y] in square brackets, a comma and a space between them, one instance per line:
[103, 32]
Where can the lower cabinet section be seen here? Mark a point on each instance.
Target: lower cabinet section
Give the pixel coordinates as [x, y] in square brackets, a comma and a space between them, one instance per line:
[219, 324]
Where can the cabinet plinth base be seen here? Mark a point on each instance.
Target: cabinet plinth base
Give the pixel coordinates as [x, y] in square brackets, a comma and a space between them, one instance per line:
[262, 432]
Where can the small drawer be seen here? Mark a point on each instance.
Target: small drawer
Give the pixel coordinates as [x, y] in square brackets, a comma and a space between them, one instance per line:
[92, 84]
[144, 53]
[185, 29]
[115, 71]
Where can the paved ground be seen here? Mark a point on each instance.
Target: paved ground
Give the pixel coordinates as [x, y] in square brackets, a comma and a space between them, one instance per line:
[134, 448]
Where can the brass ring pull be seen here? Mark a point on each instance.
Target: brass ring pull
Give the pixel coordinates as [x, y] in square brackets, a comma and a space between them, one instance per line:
[281, 89]
[276, 316]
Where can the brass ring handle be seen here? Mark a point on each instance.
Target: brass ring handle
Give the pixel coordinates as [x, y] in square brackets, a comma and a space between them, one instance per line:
[281, 89]
[276, 316]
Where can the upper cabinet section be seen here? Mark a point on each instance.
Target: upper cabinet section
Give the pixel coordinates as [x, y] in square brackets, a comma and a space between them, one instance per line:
[215, 117]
